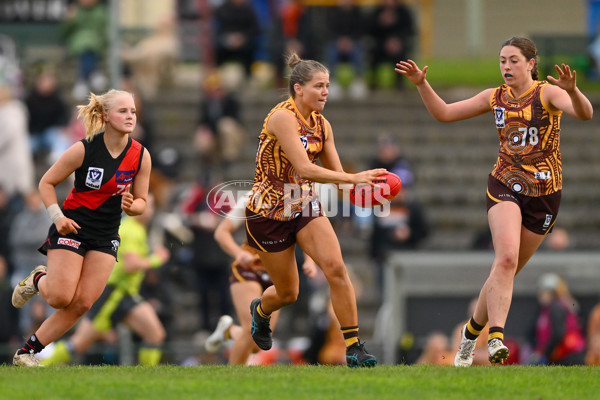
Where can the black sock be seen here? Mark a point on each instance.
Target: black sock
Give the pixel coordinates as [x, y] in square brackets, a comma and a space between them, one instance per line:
[32, 346]
[473, 329]
[496, 332]
[36, 279]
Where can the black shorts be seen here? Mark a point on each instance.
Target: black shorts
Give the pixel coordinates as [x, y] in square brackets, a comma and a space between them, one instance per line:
[538, 213]
[269, 235]
[112, 307]
[76, 244]
[242, 274]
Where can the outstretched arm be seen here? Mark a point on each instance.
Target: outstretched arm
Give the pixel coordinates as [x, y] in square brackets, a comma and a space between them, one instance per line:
[569, 99]
[437, 107]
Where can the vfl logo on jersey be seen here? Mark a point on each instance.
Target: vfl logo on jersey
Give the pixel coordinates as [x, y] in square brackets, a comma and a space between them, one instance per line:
[124, 176]
[94, 177]
[304, 141]
[499, 116]
[69, 242]
[548, 220]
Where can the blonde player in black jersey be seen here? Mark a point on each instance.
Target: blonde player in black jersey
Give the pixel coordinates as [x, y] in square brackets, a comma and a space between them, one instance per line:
[525, 186]
[283, 209]
[112, 173]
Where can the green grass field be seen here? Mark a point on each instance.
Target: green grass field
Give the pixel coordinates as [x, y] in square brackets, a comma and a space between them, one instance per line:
[293, 382]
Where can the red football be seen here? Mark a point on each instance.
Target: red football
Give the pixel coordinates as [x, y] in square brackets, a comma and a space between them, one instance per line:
[367, 196]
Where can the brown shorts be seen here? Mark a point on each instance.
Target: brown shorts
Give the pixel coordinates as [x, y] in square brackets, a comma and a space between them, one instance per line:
[538, 213]
[242, 274]
[271, 236]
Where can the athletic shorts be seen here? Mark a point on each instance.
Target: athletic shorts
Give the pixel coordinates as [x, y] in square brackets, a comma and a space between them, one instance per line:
[271, 236]
[112, 307]
[242, 274]
[76, 244]
[538, 213]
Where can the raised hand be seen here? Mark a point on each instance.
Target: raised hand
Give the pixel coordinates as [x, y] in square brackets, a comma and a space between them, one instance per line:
[566, 78]
[410, 69]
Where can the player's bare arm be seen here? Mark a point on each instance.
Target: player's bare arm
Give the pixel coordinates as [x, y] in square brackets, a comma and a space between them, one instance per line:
[68, 162]
[134, 202]
[437, 107]
[283, 126]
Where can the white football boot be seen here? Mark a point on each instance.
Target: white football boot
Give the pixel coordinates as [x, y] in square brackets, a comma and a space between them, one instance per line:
[498, 352]
[216, 339]
[26, 360]
[25, 289]
[466, 351]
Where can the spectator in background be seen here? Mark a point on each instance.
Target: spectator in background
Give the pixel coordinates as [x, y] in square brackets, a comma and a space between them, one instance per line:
[391, 30]
[28, 229]
[236, 32]
[344, 52]
[9, 326]
[220, 134]
[7, 213]
[405, 226]
[559, 338]
[16, 161]
[51, 115]
[436, 351]
[153, 58]
[592, 356]
[85, 32]
[208, 262]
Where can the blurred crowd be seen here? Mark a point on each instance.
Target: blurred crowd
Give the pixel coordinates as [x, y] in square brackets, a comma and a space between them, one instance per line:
[249, 38]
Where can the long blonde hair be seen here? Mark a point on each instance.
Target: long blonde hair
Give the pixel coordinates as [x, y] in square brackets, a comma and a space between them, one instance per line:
[93, 112]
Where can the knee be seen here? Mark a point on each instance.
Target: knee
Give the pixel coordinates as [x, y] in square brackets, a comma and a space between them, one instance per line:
[288, 295]
[58, 300]
[506, 263]
[158, 336]
[335, 271]
[79, 306]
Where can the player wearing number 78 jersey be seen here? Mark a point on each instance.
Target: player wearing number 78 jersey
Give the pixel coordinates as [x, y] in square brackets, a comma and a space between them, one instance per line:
[112, 174]
[525, 185]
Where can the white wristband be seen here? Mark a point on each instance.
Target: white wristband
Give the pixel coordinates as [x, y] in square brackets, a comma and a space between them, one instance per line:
[55, 212]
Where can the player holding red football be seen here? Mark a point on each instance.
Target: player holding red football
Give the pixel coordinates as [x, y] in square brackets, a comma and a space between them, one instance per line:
[524, 188]
[294, 135]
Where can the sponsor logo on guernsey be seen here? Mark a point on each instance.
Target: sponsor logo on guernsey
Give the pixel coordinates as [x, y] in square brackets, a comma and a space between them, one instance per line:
[124, 176]
[499, 116]
[304, 141]
[94, 177]
[69, 242]
[542, 175]
[548, 220]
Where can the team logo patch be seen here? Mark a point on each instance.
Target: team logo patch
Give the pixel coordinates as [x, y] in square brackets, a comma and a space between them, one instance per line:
[94, 177]
[548, 220]
[304, 141]
[124, 176]
[499, 116]
[69, 242]
[115, 244]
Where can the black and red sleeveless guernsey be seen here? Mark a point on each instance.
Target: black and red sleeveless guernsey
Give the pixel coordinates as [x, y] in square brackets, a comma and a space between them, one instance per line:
[95, 201]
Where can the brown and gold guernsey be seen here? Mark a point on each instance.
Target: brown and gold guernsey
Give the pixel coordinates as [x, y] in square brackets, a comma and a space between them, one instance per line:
[529, 158]
[278, 193]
